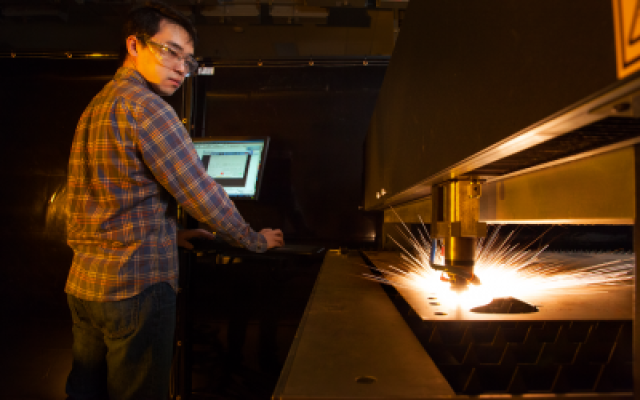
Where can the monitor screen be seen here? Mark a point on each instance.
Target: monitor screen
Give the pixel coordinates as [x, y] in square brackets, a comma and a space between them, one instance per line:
[236, 163]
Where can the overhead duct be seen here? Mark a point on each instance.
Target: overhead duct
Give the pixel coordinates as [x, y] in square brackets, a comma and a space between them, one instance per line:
[42, 12]
[106, 2]
[392, 3]
[231, 10]
[249, 13]
[287, 14]
[338, 3]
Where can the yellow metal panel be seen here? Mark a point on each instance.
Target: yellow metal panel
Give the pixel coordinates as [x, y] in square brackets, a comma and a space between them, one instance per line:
[409, 212]
[594, 190]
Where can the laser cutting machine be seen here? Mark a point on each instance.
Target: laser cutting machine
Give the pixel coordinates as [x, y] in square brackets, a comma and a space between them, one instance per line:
[490, 113]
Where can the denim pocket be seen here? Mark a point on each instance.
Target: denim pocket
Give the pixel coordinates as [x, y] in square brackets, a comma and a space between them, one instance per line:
[78, 313]
[120, 318]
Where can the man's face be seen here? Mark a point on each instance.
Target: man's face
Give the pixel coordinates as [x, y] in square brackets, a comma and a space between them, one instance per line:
[165, 77]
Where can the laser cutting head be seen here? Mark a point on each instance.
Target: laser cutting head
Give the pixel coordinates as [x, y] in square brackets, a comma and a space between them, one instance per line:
[456, 229]
[459, 261]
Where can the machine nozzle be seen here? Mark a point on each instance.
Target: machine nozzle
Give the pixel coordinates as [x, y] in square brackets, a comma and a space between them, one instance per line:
[459, 261]
[456, 229]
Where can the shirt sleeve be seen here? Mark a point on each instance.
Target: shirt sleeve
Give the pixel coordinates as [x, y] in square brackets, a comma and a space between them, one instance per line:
[169, 153]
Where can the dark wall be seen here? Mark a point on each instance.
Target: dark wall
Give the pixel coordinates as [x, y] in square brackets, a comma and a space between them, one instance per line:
[317, 119]
[41, 103]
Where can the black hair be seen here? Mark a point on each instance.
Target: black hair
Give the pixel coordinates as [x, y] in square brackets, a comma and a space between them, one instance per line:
[144, 20]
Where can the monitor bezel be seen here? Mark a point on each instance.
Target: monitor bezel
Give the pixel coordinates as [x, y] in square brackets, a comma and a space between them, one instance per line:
[263, 157]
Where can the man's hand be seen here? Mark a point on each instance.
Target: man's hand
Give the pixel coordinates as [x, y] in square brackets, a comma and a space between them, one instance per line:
[273, 236]
[185, 234]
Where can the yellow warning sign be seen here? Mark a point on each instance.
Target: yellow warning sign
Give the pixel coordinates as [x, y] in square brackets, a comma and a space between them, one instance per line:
[626, 15]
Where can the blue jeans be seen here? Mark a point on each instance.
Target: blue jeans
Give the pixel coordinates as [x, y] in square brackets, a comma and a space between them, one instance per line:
[122, 350]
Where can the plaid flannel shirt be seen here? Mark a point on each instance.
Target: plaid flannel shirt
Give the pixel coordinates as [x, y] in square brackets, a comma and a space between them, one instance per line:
[130, 155]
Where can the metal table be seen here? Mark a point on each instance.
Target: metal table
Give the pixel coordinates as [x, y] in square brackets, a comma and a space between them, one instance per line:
[353, 344]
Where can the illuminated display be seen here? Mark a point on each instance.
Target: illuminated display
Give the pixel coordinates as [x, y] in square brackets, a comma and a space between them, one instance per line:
[234, 163]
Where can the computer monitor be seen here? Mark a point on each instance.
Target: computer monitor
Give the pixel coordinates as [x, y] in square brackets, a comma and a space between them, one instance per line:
[236, 163]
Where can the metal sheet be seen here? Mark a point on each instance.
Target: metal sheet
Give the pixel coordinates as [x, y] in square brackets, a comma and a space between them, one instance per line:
[351, 330]
[588, 303]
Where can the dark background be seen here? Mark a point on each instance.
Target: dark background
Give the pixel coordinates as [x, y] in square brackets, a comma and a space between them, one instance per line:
[317, 118]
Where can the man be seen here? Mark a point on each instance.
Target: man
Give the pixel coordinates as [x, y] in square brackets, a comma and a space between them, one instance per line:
[130, 156]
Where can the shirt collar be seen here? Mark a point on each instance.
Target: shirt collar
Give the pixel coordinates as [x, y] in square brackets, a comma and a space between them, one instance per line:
[130, 74]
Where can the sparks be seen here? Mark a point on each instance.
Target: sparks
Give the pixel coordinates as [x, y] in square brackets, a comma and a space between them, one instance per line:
[505, 270]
